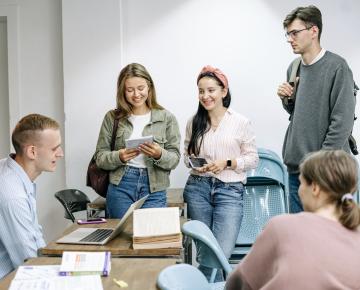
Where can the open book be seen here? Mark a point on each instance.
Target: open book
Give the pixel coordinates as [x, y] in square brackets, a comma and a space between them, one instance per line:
[156, 228]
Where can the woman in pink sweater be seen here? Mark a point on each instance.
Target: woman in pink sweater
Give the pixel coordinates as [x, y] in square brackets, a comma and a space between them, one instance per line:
[316, 249]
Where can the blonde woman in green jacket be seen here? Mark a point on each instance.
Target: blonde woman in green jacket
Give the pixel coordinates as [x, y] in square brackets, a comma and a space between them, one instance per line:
[144, 170]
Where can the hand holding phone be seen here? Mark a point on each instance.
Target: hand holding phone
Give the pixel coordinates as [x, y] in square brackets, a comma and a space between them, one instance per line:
[197, 162]
[92, 221]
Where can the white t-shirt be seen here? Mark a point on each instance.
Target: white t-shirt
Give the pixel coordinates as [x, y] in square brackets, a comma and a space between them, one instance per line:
[139, 122]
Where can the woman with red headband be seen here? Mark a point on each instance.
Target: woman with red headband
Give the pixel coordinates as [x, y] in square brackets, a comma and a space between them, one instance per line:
[214, 191]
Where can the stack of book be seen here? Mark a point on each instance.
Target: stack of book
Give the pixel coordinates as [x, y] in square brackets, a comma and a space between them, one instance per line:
[85, 263]
[156, 228]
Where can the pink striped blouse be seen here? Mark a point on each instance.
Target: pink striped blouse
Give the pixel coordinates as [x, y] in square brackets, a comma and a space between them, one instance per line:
[232, 139]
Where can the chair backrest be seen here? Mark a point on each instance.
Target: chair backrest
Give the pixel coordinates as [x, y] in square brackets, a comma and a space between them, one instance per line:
[208, 250]
[265, 196]
[73, 200]
[261, 203]
[270, 170]
[182, 277]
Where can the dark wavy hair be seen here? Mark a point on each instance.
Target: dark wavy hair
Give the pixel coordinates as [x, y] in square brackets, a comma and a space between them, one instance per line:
[201, 122]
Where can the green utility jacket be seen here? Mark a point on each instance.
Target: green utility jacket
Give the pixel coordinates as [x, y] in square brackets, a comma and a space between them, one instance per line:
[165, 129]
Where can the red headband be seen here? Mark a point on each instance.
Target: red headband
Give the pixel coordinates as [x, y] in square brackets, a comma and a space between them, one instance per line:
[218, 73]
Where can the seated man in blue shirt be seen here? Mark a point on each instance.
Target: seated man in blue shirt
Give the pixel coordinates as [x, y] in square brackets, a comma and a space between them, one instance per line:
[37, 142]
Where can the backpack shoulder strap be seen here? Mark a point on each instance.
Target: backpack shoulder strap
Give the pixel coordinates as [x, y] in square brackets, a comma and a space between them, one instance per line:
[113, 135]
[294, 69]
[292, 81]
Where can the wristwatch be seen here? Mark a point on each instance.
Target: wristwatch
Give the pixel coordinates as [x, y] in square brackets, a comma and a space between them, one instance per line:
[228, 163]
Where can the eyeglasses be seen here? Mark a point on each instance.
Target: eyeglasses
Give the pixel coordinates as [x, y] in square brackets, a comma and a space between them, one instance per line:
[293, 33]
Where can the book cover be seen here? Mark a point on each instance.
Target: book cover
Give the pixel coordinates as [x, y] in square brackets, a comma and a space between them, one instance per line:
[85, 263]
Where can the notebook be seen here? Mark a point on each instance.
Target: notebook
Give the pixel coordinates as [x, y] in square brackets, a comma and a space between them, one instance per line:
[100, 236]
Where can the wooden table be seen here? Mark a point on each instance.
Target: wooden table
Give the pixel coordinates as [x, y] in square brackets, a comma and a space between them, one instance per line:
[119, 246]
[139, 274]
[174, 199]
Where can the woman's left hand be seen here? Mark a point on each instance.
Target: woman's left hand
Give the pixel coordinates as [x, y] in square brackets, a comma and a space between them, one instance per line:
[151, 149]
[215, 167]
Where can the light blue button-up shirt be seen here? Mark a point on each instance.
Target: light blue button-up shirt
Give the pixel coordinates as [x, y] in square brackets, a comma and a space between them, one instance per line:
[20, 233]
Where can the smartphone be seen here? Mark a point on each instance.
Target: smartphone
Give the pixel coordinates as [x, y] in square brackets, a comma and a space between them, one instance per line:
[196, 162]
[92, 221]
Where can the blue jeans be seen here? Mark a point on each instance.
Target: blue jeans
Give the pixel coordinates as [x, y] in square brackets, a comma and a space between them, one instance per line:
[133, 186]
[220, 206]
[294, 199]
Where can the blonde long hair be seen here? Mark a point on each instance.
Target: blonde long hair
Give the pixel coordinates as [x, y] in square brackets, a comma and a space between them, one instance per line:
[134, 70]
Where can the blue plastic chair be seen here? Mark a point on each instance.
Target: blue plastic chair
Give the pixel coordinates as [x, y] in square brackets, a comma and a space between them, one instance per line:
[208, 250]
[182, 277]
[357, 193]
[265, 196]
[270, 167]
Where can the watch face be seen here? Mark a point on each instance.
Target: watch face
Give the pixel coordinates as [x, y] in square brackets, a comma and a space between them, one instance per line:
[228, 163]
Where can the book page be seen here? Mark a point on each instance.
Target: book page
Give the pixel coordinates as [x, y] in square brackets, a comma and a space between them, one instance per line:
[150, 222]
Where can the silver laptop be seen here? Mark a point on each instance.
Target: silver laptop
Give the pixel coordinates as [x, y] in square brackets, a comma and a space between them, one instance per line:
[100, 236]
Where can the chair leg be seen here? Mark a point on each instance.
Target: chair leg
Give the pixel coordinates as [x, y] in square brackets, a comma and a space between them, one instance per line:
[213, 274]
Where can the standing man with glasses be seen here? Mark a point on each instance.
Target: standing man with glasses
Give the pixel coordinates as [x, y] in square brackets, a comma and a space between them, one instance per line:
[323, 115]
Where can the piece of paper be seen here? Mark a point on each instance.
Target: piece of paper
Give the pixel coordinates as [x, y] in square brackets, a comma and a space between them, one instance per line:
[37, 272]
[59, 283]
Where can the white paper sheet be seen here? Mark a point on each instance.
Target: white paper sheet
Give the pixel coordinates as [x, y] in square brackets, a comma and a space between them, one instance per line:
[46, 278]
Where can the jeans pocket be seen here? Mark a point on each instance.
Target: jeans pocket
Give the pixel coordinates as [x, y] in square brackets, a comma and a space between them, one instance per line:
[235, 189]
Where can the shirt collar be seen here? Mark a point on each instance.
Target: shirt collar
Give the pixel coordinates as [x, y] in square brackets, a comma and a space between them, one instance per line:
[12, 164]
[317, 58]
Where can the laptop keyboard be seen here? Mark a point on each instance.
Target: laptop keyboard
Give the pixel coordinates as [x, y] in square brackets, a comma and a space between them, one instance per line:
[97, 236]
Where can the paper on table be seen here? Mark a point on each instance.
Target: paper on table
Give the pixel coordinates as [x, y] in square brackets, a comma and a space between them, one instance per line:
[37, 272]
[92, 282]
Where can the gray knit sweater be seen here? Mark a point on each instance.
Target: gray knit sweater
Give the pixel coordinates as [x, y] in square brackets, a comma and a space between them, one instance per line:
[323, 115]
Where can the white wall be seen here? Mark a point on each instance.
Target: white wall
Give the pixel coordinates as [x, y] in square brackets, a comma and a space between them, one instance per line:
[4, 90]
[34, 31]
[91, 45]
